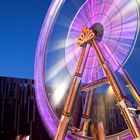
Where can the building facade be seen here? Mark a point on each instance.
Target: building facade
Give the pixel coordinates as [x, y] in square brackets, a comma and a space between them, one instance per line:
[19, 114]
[18, 110]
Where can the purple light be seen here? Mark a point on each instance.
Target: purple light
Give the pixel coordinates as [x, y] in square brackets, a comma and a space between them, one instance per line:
[120, 22]
[49, 119]
[127, 138]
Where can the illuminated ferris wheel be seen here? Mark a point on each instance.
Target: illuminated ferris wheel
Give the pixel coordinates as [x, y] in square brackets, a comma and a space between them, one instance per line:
[100, 40]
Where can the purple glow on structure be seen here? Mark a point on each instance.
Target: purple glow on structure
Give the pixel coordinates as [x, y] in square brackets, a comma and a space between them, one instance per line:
[127, 138]
[120, 21]
[49, 119]
[117, 36]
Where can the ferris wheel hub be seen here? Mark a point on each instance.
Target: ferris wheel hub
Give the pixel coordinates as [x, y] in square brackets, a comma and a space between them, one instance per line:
[98, 29]
[96, 32]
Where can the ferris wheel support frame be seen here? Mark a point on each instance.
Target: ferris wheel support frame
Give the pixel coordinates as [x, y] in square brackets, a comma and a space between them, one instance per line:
[130, 85]
[72, 94]
[122, 103]
[87, 36]
[86, 116]
[128, 81]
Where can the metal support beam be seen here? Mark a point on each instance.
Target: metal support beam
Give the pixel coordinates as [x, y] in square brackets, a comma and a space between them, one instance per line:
[101, 131]
[118, 92]
[94, 85]
[71, 98]
[131, 86]
[85, 120]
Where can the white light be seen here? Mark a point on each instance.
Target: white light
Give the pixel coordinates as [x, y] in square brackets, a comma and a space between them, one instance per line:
[131, 109]
[110, 90]
[61, 44]
[138, 1]
[28, 138]
[60, 91]
[54, 70]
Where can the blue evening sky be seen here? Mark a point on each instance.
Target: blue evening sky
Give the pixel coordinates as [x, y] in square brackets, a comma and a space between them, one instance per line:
[20, 24]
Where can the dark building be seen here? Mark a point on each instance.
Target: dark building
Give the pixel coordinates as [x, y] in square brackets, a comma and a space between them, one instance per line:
[105, 109]
[19, 114]
[18, 110]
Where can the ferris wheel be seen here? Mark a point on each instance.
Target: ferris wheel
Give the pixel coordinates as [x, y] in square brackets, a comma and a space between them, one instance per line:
[99, 41]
